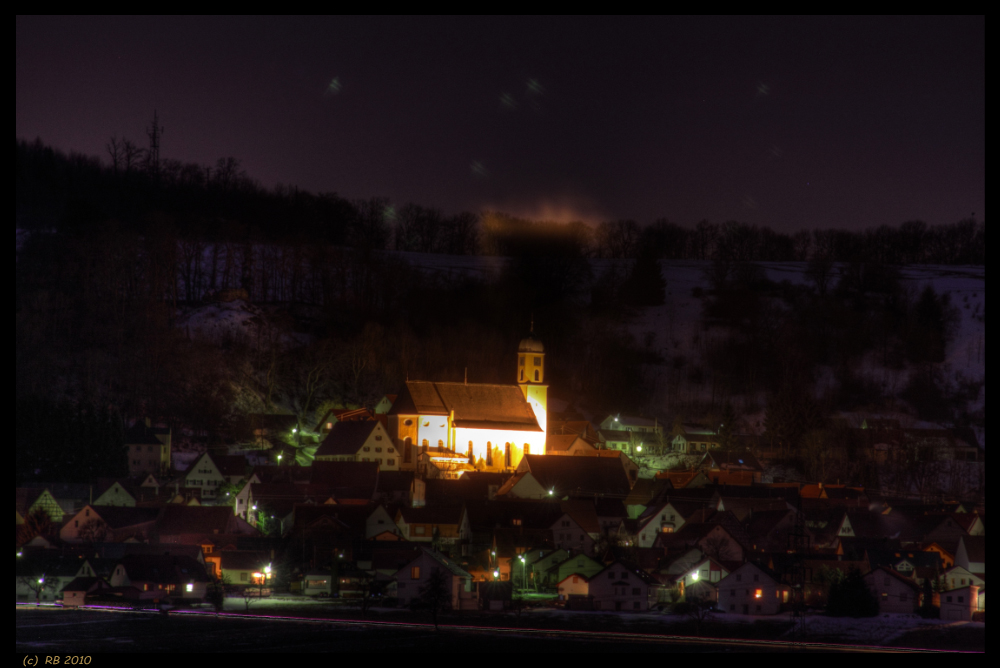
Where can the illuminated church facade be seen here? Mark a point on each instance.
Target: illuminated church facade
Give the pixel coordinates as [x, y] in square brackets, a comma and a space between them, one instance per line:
[487, 427]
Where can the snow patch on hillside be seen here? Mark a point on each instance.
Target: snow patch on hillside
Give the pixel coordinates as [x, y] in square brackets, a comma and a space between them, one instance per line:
[217, 322]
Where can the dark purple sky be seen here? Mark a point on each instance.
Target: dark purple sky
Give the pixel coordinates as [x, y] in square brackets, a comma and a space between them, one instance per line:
[789, 122]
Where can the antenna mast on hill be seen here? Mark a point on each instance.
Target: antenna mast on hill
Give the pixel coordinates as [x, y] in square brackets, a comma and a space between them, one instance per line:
[154, 143]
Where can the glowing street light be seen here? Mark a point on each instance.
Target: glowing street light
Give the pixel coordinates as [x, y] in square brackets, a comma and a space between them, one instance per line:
[694, 576]
[496, 575]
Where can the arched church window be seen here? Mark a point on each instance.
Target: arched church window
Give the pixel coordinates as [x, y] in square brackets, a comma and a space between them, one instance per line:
[507, 455]
[441, 444]
[522, 374]
[408, 423]
[489, 453]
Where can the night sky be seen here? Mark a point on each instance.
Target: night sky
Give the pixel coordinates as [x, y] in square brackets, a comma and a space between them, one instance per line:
[787, 122]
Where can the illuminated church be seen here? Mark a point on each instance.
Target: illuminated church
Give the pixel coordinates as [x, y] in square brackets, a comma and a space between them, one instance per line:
[484, 427]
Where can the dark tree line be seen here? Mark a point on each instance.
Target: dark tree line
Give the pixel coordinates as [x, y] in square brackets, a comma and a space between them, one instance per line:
[221, 203]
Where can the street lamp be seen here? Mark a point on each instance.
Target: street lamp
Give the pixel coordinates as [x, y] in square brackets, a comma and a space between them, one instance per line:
[524, 573]
[496, 575]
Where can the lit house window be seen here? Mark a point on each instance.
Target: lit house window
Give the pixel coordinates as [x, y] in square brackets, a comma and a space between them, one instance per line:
[415, 573]
[189, 588]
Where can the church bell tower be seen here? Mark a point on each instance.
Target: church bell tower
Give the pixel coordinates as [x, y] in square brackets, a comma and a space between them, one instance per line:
[531, 376]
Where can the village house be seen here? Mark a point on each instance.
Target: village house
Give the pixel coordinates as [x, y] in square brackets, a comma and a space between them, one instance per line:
[333, 416]
[752, 590]
[577, 564]
[552, 478]
[417, 573]
[384, 404]
[75, 593]
[705, 571]
[115, 494]
[958, 605]
[148, 449]
[573, 586]
[622, 588]
[191, 525]
[689, 439]
[896, 593]
[430, 524]
[98, 524]
[666, 518]
[244, 568]
[568, 445]
[971, 554]
[957, 576]
[161, 576]
[42, 575]
[209, 473]
[31, 500]
[361, 441]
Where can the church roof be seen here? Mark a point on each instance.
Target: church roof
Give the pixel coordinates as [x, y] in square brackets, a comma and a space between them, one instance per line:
[476, 406]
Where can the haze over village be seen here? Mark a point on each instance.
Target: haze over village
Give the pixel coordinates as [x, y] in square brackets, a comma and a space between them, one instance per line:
[366, 410]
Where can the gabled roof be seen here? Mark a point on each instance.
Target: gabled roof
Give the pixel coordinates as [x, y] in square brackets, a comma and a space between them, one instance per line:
[395, 481]
[763, 522]
[472, 486]
[343, 415]
[447, 564]
[444, 514]
[888, 572]
[117, 551]
[231, 465]
[118, 517]
[645, 490]
[748, 566]
[346, 438]
[85, 585]
[355, 480]
[244, 561]
[641, 575]
[975, 548]
[578, 475]
[489, 515]
[176, 519]
[583, 513]
[164, 569]
[619, 435]
[562, 443]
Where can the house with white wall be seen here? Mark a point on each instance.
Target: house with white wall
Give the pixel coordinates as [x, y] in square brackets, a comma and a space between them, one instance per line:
[751, 590]
[896, 593]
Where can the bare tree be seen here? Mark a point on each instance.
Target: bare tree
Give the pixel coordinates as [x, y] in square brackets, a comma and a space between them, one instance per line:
[131, 154]
[115, 152]
[697, 609]
[718, 547]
